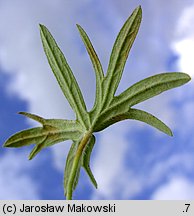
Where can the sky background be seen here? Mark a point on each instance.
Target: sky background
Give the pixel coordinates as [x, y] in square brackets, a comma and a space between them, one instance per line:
[130, 160]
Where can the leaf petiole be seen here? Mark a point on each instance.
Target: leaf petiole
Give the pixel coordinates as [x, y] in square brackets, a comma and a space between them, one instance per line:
[75, 165]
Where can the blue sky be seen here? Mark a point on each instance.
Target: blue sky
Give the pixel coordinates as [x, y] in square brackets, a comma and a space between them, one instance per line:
[131, 160]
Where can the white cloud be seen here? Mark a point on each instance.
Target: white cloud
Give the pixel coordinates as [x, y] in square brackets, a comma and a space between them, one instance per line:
[177, 188]
[109, 164]
[185, 48]
[14, 181]
[183, 44]
[176, 163]
[22, 56]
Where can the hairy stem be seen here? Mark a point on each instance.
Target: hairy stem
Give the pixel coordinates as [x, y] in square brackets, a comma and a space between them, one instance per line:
[78, 155]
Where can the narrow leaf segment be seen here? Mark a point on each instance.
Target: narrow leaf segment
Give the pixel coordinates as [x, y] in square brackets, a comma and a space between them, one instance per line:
[97, 68]
[64, 76]
[108, 108]
[120, 52]
[150, 87]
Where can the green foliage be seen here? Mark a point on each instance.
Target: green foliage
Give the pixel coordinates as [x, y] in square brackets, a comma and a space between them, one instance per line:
[108, 108]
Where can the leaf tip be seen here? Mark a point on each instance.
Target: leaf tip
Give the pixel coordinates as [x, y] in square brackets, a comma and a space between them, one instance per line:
[33, 116]
[31, 156]
[167, 131]
[188, 77]
[33, 153]
[42, 28]
[170, 133]
[139, 9]
[41, 25]
[80, 29]
[5, 144]
[96, 185]
[21, 113]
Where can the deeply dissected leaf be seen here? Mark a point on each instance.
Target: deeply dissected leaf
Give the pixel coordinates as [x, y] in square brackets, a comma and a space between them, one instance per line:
[96, 65]
[120, 53]
[52, 131]
[64, 76]
[86, 160]
[108, 108]
[149, 88]
[135, 114]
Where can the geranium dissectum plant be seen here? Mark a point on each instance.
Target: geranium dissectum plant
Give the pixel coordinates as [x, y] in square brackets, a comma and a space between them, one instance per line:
[108, 107]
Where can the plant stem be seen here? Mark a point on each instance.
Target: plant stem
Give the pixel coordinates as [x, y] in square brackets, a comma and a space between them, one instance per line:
[78, 155]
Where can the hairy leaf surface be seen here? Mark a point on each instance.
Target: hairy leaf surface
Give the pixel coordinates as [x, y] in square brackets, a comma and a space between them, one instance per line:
[134, 114]
[69, 166]
[52, 131]
[64, 76]
[96, 65]
[120, 53]
[150, 87]
[86, 160]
